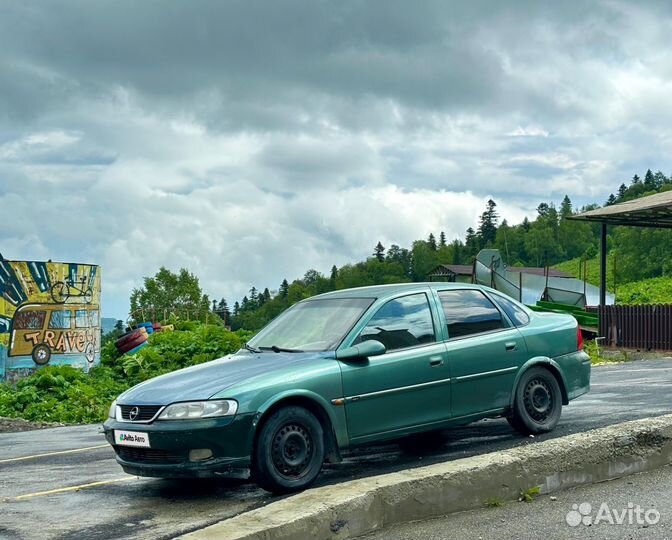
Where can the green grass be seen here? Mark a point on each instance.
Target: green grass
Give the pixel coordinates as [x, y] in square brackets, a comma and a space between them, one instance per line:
[574, 267]
[648, 291]
[656, 290]
[528, 495]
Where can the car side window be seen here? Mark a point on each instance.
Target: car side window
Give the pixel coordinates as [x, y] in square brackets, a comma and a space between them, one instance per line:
[516, 313]
[468, 312]
[401, 323]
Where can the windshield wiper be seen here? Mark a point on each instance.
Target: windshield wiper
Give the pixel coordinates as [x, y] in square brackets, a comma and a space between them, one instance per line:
[277, 349]
[251, 349]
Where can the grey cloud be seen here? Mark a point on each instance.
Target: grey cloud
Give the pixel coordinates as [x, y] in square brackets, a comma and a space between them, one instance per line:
[251, 140]
[422, 54]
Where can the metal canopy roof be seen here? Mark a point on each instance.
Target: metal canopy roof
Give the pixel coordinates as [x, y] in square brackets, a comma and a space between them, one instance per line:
[651, 211]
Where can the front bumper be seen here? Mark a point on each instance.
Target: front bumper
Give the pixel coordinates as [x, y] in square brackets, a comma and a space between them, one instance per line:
[229, 439]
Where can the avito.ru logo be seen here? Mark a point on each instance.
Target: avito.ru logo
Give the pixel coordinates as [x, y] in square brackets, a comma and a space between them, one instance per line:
[632, 515]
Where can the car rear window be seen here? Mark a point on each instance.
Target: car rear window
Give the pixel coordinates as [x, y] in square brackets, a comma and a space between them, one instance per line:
[516, 313]
[469, 312]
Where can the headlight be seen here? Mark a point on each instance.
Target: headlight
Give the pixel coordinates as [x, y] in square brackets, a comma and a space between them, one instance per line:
[199, 409]
[113, 410]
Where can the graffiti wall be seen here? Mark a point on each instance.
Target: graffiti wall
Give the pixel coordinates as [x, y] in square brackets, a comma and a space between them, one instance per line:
[49, 315]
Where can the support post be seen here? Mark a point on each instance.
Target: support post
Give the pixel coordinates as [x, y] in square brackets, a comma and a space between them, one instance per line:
[603, 265]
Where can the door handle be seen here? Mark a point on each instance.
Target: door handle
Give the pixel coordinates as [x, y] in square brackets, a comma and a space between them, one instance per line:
[511, 346]
[435, 361]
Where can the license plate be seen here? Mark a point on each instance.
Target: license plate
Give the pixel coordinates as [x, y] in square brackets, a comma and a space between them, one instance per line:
[131, 438]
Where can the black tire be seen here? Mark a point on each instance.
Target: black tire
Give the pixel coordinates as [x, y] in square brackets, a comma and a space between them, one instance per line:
[289, 452]
[60, 292]
[41, 354]
[537, 405]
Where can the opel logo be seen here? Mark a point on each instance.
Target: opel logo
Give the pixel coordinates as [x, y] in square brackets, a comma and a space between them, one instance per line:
[133, 413]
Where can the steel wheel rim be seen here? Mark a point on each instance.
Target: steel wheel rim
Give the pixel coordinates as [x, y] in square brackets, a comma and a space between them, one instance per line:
[292, 450]
[538, 400]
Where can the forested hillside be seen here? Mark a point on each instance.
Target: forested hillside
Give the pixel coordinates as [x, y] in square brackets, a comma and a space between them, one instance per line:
[550, 238]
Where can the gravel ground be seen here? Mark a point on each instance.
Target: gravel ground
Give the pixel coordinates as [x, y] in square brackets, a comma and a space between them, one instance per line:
[559, 516]
[10, 425]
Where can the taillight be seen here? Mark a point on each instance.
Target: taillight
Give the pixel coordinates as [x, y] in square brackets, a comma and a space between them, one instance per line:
[579, 339]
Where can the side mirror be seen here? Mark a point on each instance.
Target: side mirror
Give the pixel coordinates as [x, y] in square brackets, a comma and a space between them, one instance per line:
[370, 347]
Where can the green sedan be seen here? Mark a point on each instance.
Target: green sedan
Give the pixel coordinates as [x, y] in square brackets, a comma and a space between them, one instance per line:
[351, 368]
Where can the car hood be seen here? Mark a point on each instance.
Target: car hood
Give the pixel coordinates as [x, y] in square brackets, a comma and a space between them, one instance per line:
[205, 380]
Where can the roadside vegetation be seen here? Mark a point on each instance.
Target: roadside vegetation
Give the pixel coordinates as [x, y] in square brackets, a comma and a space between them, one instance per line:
[593, 350]
[647, 291]
[67, 395]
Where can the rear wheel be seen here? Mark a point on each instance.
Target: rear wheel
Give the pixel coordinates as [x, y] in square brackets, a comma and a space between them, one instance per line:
[289, 451]
[538, 402]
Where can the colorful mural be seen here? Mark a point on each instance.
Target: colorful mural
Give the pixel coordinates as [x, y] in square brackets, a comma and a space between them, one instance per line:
[49, 314]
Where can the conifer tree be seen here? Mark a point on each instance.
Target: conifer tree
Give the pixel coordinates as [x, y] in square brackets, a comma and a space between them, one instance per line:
[379, 252]
[432, 242]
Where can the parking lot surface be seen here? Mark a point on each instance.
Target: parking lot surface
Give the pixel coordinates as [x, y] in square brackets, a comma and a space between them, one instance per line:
[63, 483]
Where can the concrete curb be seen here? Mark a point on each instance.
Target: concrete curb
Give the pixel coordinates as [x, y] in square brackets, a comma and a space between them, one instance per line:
[357, 507]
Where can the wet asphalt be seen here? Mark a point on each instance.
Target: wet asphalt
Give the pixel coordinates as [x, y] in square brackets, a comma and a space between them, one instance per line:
[45, 494]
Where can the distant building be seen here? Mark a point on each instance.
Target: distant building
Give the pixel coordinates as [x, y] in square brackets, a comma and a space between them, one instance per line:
[461, 273]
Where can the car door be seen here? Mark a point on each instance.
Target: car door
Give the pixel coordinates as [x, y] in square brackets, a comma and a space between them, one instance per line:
[409, 384]
[484, 351]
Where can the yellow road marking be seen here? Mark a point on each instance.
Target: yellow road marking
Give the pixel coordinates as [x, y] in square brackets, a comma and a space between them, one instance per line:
[35, 456]
[75, 488]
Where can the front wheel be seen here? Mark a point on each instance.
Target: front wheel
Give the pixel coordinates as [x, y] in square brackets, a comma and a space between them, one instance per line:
[538, 402]
[289, 451]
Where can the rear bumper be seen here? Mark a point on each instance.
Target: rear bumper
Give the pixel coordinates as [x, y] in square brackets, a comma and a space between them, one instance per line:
[576, 368]
[229, 439]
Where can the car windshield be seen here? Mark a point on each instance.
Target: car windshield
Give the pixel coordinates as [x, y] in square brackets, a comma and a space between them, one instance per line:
[312, 325]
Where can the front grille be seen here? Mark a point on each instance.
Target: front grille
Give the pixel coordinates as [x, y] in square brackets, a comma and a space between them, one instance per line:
[145, 412]
[148, 455]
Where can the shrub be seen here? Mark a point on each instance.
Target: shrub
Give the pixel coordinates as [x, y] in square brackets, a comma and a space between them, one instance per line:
[68, 395]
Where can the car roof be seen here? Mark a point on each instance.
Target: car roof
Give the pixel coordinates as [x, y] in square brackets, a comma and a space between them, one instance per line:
[393, 289]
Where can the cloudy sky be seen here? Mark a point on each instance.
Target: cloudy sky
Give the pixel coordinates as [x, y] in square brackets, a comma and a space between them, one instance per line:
[249, 141]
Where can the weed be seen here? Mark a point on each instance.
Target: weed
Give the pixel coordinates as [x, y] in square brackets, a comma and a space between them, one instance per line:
[529, 494]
